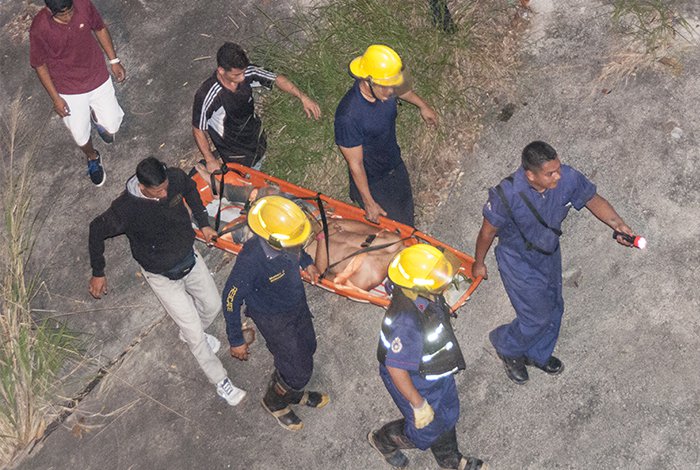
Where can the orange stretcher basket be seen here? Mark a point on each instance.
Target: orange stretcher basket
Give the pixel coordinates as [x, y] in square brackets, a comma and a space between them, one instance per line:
[247, 178]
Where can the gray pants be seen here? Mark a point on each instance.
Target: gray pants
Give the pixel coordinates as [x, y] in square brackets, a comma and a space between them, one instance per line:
[193, 303]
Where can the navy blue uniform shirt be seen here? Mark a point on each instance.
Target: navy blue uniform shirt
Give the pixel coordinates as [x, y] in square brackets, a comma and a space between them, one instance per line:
[372, 125]
[573, 189]
[267, 280]
[405, 346]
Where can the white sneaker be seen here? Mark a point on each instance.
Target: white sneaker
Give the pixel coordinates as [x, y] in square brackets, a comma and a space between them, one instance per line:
[213, 343]
[229, 392]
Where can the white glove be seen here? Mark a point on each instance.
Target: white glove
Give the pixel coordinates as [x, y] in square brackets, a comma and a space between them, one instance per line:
[423, 415]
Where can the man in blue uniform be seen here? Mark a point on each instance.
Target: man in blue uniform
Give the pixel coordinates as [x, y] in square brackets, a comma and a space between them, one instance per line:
[365, 132]
[266, 277]
[418, 356]
[526, 211]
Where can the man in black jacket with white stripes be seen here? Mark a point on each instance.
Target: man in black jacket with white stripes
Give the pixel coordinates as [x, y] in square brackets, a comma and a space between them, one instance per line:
[224, 109]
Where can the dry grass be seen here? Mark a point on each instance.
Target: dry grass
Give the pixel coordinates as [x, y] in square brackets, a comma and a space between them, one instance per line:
[483, 75]
[652, 34]
[31, 353]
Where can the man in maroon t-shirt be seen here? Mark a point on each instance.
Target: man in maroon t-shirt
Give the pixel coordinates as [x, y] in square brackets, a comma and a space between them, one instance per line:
[71, 67]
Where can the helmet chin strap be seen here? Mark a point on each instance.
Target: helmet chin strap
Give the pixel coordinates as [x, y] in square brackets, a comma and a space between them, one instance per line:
[414, 294]
[371, 89]
[275, 243]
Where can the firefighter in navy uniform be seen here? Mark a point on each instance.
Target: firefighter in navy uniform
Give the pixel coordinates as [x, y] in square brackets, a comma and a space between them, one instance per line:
[418, 356]
[266, 277]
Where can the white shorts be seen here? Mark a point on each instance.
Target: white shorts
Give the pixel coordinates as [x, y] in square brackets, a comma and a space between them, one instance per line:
[101, 100]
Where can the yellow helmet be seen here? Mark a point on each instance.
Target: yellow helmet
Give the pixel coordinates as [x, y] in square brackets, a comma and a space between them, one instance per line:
[380, 64]
[421, 267]
[279, 221]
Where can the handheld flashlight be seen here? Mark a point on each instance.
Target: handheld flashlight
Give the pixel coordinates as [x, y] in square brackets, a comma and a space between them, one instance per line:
[636, 241]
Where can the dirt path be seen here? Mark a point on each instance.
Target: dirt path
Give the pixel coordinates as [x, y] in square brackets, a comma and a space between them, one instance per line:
[631, 338]
[631, 326]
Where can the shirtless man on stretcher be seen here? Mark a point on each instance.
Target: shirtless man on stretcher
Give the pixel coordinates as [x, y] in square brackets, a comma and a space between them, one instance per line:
[363, 271]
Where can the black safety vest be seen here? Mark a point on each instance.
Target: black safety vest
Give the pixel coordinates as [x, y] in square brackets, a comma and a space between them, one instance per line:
[441, 353]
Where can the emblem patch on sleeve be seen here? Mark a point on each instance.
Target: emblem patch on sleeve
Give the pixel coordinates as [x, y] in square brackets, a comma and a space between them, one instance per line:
[396, 345]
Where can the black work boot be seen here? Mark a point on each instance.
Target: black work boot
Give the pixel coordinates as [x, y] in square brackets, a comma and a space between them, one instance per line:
[388, 440]
[310, 398]
[446, 451]
[395, 458]
[303, 397]
[515, 369]
[277, 404]
[472, 463]
[553, 366]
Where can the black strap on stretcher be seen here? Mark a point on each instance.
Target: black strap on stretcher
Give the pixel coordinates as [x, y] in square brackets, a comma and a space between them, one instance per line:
[324, 225]
[212, 184]
[528, 244]
[233, 227]
[366, 248]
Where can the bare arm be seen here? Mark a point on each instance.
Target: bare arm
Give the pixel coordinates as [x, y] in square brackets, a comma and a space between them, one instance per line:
[605, 212]
[59, 104]
[427, 113]
[105, 40]
[354, 157]
[321, 259]
[483, 242]
[423, 413]
[311, 108]
[405, 386]
[202, 141]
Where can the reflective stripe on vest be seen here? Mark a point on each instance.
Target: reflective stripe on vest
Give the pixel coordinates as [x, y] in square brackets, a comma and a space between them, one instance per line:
[439, 376]
[429, 357]
[441, 355]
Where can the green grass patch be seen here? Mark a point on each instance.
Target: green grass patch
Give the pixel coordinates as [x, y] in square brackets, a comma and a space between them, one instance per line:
[314, 48]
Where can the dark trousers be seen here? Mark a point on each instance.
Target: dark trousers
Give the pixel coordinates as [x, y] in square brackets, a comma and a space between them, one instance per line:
[291, 339]
[535, 290]
[246, 156]
[441, 16]
[393, 192]
[391, 437]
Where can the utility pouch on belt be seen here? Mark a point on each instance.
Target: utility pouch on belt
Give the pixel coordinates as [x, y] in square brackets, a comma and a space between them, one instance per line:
[182, 268]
